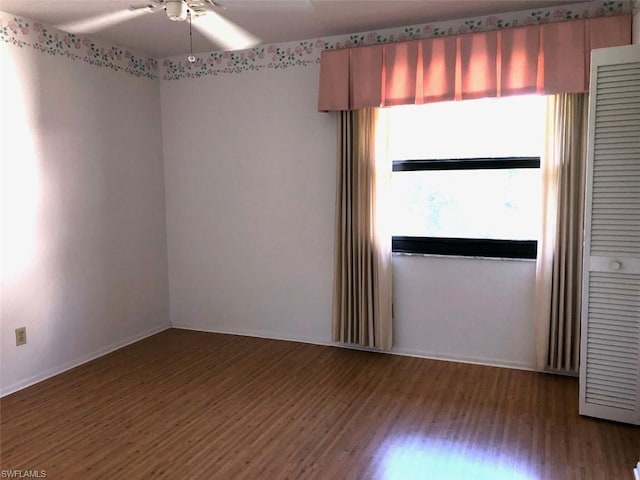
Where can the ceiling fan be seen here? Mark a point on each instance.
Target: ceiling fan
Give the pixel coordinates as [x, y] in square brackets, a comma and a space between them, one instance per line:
[177, 10]
[203, 14]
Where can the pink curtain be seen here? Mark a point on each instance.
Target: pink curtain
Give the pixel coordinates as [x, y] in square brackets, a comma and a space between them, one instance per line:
[546, 59]
[363, 86]
[334, 81]
[400, 73]
[478, 71]
[438, 70]
[563, 64]
[519, 50]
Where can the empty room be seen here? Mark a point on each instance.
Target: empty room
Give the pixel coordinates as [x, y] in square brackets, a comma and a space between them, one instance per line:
[320, 239]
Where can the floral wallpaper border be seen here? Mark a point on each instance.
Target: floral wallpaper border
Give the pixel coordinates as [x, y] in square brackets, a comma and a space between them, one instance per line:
[25, 33]
[303, 53]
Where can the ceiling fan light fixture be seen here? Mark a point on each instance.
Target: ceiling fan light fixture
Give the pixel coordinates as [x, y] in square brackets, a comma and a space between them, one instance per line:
[176, 10]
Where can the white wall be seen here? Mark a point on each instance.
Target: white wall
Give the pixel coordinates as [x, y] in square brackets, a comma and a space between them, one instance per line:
[250, 172]
[250, 178]
[478, 310]
[84, 264]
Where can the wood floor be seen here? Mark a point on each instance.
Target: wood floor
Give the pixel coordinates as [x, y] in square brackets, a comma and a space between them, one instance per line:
[190, 405]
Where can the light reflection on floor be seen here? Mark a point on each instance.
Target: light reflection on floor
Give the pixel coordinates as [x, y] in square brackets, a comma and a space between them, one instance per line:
[419, 457]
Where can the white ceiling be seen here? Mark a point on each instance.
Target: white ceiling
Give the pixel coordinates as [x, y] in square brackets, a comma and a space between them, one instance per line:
[271, 21]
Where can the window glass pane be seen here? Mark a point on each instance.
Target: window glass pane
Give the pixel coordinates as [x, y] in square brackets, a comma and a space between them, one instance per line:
[488, 127]
[495, 204]
[484, 204]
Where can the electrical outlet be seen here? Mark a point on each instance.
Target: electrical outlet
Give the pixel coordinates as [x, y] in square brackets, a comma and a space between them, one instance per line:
[21, 336]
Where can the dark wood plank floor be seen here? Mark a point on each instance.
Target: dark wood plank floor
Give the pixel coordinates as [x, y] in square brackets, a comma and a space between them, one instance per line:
[190, 405]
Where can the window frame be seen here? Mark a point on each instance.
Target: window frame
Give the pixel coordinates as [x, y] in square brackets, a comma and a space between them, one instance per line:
[466, 247]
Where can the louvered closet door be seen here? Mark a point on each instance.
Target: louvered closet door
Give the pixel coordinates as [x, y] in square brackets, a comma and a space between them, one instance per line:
[610, 343]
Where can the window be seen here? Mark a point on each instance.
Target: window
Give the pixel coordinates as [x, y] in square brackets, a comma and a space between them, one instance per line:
[466, 177]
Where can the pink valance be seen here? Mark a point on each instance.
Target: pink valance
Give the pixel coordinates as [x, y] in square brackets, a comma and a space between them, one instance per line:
[546, 59]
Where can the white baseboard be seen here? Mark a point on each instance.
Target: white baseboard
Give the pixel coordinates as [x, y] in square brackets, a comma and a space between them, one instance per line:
[489, 362]
[79, 361]
[256, 333]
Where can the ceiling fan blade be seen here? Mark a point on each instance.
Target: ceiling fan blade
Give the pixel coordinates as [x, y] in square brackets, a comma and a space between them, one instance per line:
[223, 32]
[150, 7]
[285, 6]
[100, 22]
